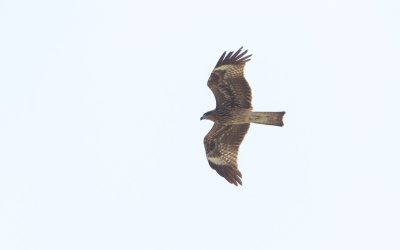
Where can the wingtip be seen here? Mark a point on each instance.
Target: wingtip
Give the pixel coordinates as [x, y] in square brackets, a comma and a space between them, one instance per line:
[233, 57]
[232, 175]
[234, 178]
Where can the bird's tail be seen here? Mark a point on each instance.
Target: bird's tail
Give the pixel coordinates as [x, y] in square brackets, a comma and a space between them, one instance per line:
[267, 118]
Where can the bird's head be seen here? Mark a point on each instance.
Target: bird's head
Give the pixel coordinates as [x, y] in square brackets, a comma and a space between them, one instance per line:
[208, 116]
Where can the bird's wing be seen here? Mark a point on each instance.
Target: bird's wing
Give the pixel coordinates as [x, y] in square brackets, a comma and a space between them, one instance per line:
[227, 81]
[222, 147]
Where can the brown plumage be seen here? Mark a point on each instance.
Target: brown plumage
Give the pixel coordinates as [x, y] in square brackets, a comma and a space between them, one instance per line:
[232, 115]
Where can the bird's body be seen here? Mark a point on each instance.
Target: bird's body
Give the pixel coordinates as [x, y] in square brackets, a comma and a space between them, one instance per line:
[228, 116]
[232, 115]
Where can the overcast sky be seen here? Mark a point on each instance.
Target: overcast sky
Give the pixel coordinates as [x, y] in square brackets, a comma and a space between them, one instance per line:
[101, 146]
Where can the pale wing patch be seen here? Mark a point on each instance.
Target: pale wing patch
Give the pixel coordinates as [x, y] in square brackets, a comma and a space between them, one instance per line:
[223, 67]
[217, 160]
[231, 71]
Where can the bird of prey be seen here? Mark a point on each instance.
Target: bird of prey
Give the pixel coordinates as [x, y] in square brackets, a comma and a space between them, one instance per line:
[232, 115]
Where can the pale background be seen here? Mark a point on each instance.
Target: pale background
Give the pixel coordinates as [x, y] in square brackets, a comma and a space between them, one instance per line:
[101, 142]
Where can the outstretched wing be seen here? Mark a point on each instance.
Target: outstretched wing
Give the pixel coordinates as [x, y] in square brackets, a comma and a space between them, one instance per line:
[227, 81]
[222, 147]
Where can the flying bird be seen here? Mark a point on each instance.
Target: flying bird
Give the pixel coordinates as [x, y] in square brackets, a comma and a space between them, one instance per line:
[232, 115]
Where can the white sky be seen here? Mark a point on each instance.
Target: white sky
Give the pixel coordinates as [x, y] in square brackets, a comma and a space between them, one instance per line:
[101, 143]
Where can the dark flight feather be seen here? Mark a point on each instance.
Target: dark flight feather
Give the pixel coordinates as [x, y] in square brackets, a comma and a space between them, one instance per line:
[222, 147]
[228, 85]
[233, 59]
